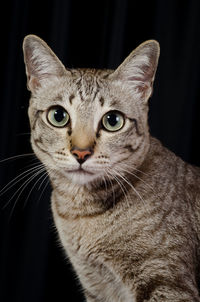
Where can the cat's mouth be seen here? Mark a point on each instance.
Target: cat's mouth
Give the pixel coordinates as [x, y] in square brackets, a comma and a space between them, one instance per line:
[80, 176]
[80, 171]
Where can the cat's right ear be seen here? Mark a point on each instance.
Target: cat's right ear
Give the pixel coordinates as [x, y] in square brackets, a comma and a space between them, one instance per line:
[40, 61]
[138, 70]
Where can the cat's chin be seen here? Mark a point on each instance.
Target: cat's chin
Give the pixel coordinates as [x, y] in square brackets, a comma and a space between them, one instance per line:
[80, 176]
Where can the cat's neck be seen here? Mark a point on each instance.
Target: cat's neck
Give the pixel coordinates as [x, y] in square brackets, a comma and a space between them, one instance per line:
[81, 200]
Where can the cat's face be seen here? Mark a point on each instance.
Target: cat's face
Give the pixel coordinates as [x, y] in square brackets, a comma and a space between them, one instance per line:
[89, 124]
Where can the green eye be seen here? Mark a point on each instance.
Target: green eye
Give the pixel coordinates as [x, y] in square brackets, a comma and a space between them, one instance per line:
[58, 116]
[113, 121]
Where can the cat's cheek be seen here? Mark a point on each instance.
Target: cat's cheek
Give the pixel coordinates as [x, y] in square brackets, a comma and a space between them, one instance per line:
[42, 154]
[137, 144]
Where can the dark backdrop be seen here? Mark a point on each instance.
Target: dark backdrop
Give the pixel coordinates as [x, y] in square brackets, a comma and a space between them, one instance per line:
[83, 34]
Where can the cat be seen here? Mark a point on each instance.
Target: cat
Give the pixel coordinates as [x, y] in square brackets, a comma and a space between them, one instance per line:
[127, 210]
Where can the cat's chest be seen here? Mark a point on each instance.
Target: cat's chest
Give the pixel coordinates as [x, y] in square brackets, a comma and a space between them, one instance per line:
[90, 249]
[82, 239]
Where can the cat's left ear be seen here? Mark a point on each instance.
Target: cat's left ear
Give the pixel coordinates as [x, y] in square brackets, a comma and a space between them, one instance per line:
[41, 62]
[138, 70]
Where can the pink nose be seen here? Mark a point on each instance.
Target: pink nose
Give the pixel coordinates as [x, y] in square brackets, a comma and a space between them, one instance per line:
[81, 154]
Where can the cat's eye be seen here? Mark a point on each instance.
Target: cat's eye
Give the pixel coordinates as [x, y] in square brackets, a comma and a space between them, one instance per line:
[113, 121]
[57, 116]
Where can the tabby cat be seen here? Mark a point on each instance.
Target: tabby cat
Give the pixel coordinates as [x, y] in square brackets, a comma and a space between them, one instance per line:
[127, 210]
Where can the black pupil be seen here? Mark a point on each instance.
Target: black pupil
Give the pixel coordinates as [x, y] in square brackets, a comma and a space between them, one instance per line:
[113, 119]
[59, 115]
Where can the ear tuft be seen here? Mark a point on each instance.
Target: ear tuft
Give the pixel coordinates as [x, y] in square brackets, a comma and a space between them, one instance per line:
[139, 68]
[40, 61]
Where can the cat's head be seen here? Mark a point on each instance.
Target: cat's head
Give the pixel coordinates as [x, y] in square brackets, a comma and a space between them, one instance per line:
[89, 124]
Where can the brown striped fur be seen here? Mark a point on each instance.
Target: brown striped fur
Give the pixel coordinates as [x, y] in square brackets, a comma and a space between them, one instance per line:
[129, 221]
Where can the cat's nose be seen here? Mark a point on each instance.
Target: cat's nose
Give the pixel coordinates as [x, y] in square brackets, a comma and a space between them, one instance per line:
[81, 154]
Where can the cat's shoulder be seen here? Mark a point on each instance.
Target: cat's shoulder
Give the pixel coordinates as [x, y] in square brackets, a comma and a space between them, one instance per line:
[165, 157]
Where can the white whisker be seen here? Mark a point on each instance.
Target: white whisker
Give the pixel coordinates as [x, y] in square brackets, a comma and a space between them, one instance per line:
[136, 176]
[25, 133]
[122, 187]
[135, 169]
[46, 176]
[110, 181]
[156, 194]
[21, 190]
[104, 180]
[16, 157]
[43, 175]
[133, 188]
[24, 185]
[45, 186]
[19, 178]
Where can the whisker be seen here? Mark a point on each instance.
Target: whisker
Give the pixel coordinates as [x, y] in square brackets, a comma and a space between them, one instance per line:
[110, 181]
[106, 187]
[136, 192]
[31, 164]
[25, 133]
[20, 177]
[123, 188]
[45, 186]
[23, 186]
[136, 176]
[46, 176]
[43, 175]
[155, 193]
[135, 169]
[21, 190]
[16, 157]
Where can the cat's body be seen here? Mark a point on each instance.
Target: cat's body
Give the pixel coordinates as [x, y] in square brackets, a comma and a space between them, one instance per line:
[132, 250]
[127, 210]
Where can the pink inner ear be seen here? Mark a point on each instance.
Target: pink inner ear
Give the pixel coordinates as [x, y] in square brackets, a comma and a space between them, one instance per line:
[33, 67]
[142, 88]
[29, 61]
[33, 83]
[146, 75]
[136, 78]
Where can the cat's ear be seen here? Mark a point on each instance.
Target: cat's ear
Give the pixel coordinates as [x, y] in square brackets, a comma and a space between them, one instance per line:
[40, 61]
[139, 68]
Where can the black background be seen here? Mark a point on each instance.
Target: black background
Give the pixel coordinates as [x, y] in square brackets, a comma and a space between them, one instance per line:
[84, 34]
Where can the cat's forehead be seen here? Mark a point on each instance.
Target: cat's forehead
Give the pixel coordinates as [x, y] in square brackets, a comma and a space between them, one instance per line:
[85, 84]
[86, 90]
[93, 86]
[89, 74]
[88, 82]
[83, 88]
